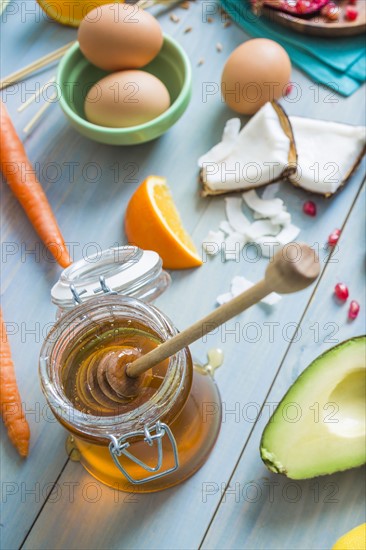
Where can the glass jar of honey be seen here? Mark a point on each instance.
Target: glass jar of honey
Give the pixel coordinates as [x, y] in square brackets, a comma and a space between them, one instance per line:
[161, 433]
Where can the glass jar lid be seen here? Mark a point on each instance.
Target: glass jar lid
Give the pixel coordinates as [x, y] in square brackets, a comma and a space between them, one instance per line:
[126, 270]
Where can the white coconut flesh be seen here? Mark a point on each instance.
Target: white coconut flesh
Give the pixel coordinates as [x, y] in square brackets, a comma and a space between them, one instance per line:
[234, 213]
[251, 157]
[327, 153]
[241, 284]
[258, 154]
[270, 230]
[267, 208]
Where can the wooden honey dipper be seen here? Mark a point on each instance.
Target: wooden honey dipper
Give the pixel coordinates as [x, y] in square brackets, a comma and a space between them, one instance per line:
[293, 268]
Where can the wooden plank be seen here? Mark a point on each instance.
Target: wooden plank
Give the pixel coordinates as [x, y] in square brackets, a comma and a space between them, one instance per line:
[238, 385]
[130, 524]
[264, 510]
[81, 206]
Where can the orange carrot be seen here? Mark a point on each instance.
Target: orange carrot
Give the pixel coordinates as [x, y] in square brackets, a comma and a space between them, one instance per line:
[22, 180]
[10, 403]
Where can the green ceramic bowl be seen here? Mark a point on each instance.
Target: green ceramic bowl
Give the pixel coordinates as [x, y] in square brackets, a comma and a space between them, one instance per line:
[76, 75]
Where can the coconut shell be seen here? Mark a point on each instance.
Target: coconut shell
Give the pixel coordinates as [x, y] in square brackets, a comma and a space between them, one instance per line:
[285, 174]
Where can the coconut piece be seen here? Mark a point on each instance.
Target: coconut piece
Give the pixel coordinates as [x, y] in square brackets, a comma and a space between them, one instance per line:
[267, 208]
[241, 284]
[270, 191]
[233, 245]
[261, 228]
[283, 218]
[261, 153]
[266, 231]
[213, 242]
[264, 208]
[329, 153]
[235, 215]
[269, 245]
[224, 298]
[222, 150]
[272, 299]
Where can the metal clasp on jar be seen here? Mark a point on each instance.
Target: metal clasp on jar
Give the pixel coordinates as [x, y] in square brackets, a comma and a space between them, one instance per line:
[119, 446]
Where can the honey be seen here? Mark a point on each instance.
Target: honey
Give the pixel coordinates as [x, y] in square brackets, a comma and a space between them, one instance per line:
[147, 441]
[195, 437]
[90, 375]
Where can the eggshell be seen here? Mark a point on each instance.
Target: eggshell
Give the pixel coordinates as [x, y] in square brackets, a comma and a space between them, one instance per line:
[256, 72]
[119, 36]
[126, 98]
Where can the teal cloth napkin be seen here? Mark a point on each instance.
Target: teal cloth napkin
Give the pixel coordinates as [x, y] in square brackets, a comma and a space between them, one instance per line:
[338, 63]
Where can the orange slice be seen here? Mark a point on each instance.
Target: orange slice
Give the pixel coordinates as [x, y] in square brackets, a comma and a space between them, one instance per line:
[71, 12]
[152, 222]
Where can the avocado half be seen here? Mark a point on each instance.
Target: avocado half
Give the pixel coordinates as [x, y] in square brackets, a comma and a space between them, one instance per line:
[319, 426]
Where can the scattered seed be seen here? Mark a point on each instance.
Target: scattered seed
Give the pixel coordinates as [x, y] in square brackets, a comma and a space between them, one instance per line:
[351, 13]
[341, 291]
[334, 237]
[227, 24]
[330, 12]
[354, 310]
[187, 30]
[289, 88]
[209, 20]
[224, 15]
[219, 47]
[309, 208]
[174, 18]
[185, 5]
[200, 62]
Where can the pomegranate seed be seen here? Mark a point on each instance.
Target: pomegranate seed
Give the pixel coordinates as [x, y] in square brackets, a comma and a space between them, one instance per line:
[302, 6]
[351, 14]
[334, 237]
[289, 88]
[330, 11]
[296, 7]
[341, 291]
[309, 208]
[354, 310]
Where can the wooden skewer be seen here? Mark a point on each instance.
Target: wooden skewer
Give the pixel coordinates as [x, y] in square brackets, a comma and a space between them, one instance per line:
[29, 69]
[145, 3]
[293, 268]
[38, 115]
[36, 95]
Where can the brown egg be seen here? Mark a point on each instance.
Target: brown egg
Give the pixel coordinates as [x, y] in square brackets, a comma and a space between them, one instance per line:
[256, 72]
[119, 36]
[126, 98]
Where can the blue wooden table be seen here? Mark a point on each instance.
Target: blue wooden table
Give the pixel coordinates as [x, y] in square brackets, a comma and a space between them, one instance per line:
[233, 501]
